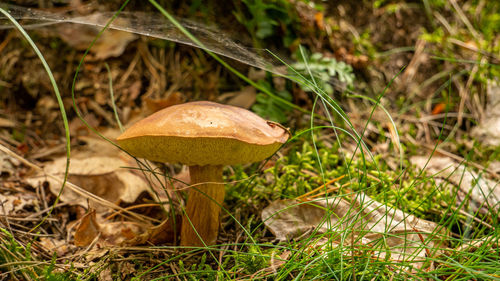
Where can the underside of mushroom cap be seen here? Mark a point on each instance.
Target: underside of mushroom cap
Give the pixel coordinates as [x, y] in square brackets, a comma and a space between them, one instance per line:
[203, 133]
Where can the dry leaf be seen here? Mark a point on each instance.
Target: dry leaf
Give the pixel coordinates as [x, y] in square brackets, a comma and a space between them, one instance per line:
[244, 98]
[60, 247]
[11, 204]
[367, 222]
[488, 130]
[112, 42]
[98, 167]
[483, 194]
[154, 105]
[106, 274]
[7, 123]
[119, 232]
[110, 233]
[87, 230]
[101, 175]
[158, 235]
[8, 164]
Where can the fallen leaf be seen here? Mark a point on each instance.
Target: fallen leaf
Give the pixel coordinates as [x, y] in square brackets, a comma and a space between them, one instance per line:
[100, 175]
[438, 108]
[483, 194]
[108, 233]
[60, 247]
[120, 232]
[244, 98]
[319, 19]
[8, 164]
[488, 130]
[10, 204]
[106, 274]
[112, 42]
[154, 105]
[365, 221]
[100, 168]
[158, 235]
[7, 123]
[87, 230]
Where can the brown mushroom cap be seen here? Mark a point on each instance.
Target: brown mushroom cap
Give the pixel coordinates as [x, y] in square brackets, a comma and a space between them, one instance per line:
[203, 133]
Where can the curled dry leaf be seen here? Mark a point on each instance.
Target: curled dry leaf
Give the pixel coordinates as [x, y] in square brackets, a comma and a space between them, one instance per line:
[108, 233]
[385, 230]
[7, 123]
[483, 194]
[87, 230]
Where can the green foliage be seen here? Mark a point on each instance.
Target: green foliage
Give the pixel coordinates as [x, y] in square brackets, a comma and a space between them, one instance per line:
[436, 36]
[265, 18]
[323, 69]
[11, 251]
[364, 45]
[480, 36]
[270, 108]
[298, 173]
[488, 22]
[252, 260]
[199, 271]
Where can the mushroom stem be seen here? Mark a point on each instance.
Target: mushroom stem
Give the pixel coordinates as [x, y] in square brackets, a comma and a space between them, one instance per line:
[203, 206]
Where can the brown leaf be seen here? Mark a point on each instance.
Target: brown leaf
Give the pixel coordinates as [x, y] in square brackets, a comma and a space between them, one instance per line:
[244, 98]
[110, 233]
[99, 168]
[112, 42]
[87, 230]
[160, 234]
[118, 233]
[154, 105]
[100, 175]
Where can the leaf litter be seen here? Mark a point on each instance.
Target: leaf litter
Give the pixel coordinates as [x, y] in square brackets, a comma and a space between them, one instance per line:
[101, 169]
[480, 193]
[90, 220]
[104, 176]
[384, 231]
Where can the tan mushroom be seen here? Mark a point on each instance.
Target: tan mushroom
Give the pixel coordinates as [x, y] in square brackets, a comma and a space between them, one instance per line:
[205, 136]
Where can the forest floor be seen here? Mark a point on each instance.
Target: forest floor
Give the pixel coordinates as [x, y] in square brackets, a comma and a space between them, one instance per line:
[392, 171]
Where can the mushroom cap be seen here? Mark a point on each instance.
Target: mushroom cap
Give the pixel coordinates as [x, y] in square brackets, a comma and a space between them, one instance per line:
[203, 133]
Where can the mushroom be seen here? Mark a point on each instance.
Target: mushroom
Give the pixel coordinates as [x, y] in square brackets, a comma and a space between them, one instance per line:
[205, 136]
